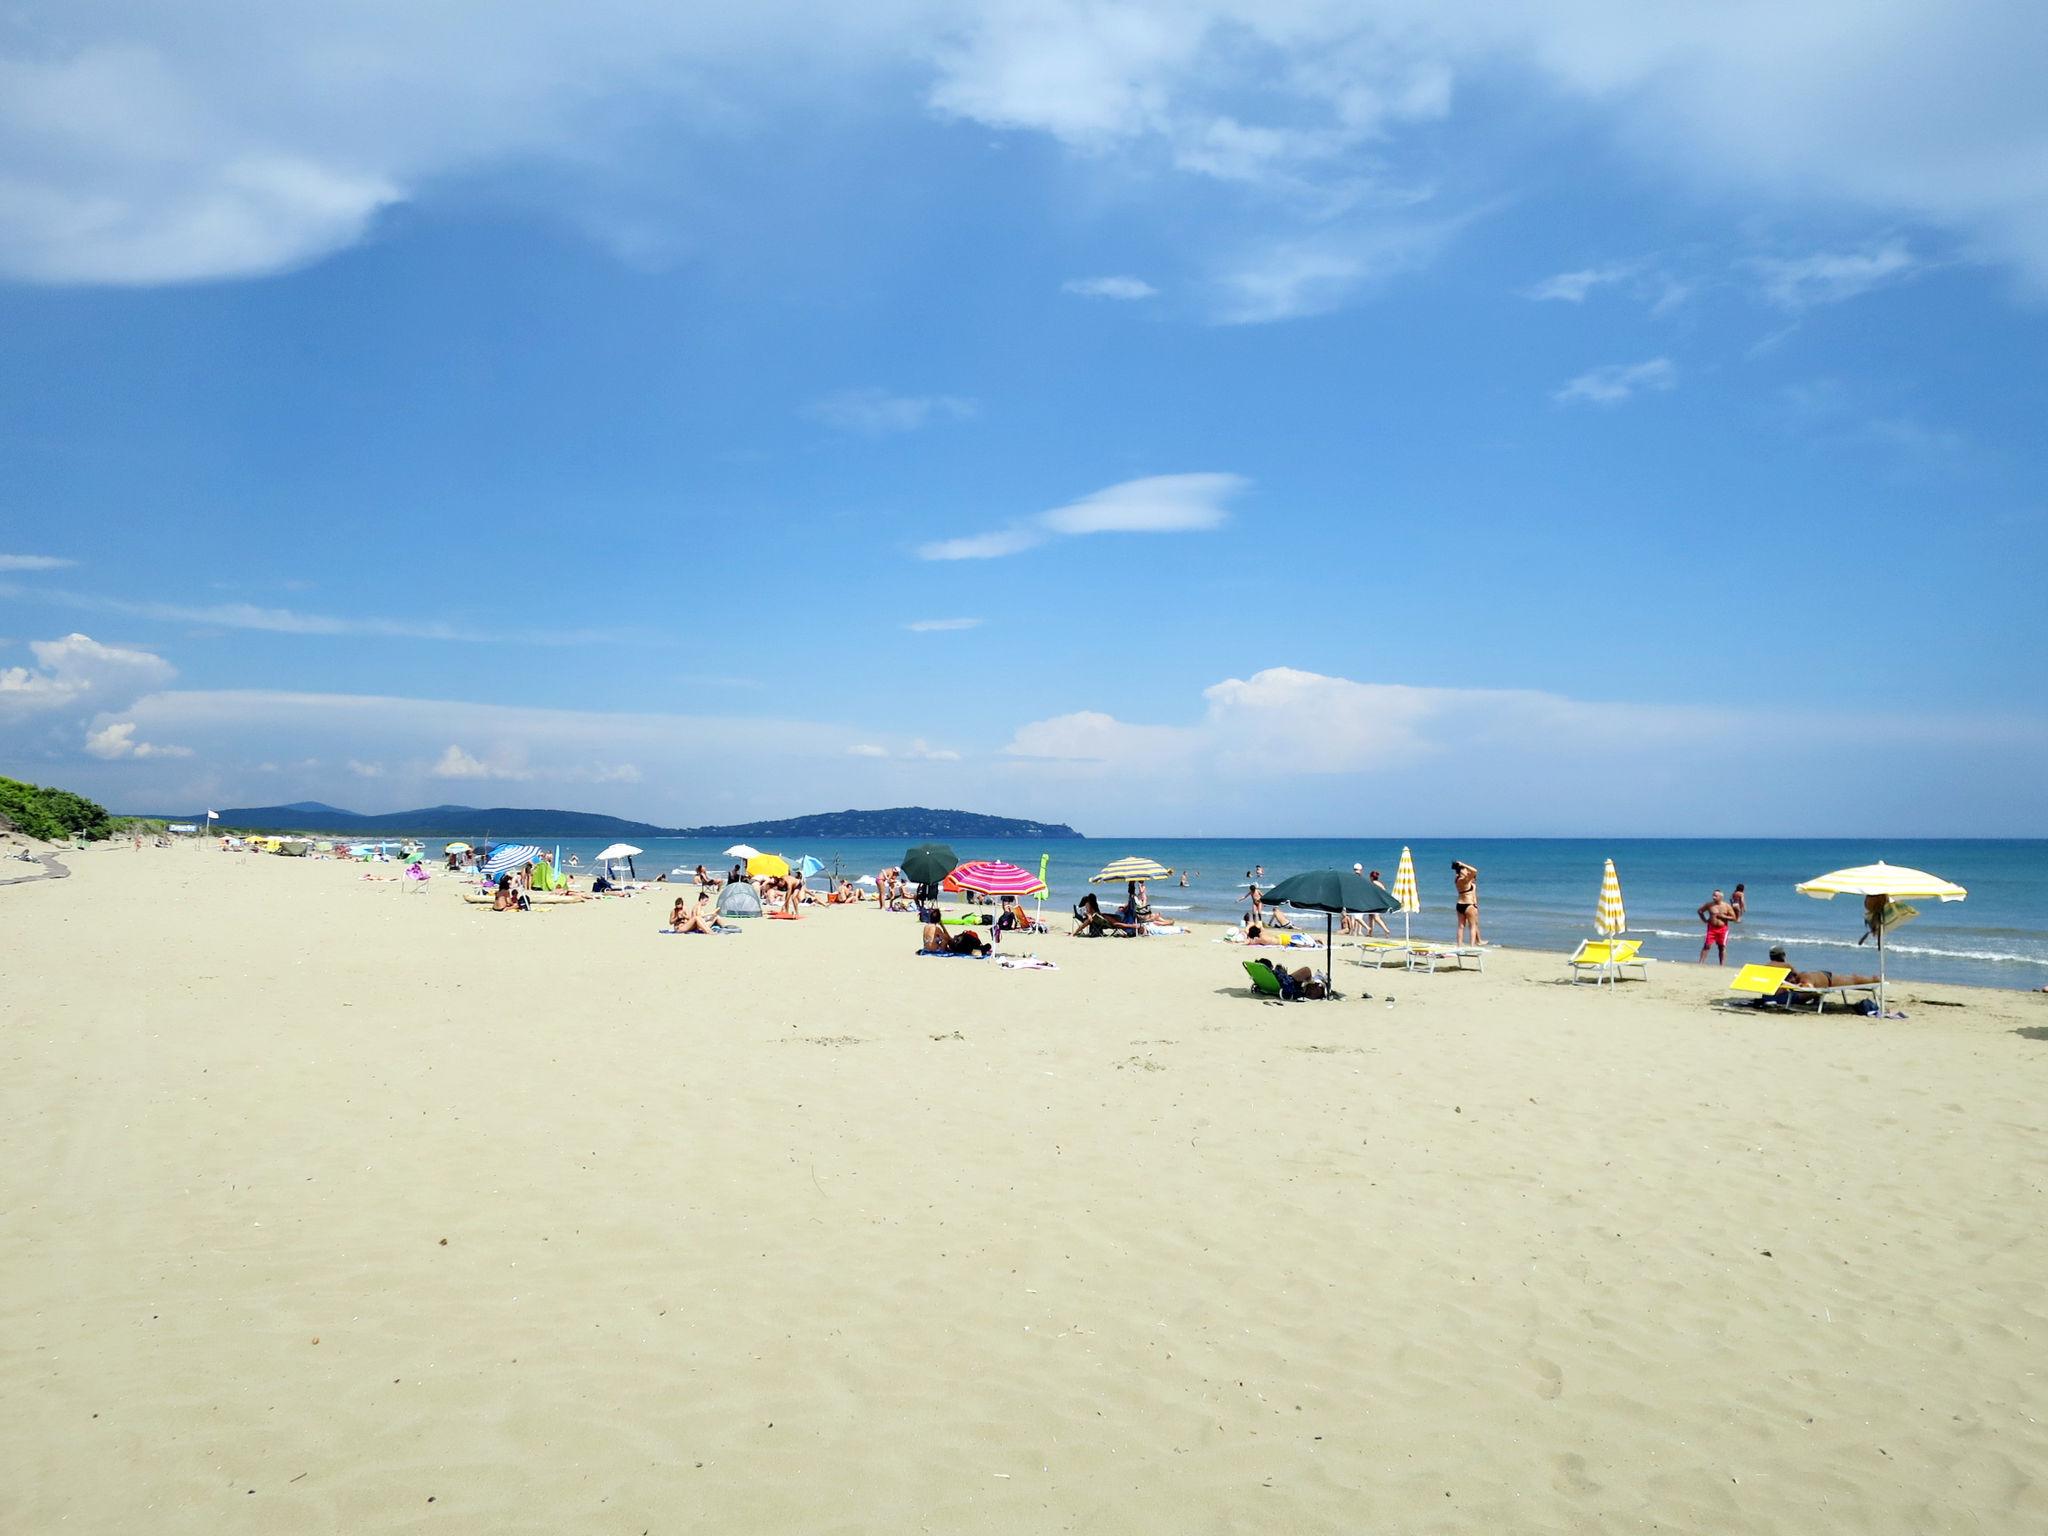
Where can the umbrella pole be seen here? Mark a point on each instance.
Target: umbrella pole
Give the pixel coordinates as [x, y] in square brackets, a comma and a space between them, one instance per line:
[1330, 958]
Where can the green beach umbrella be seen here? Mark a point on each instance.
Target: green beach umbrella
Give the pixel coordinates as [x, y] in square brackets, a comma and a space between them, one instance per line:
[929, 863]
[1331, 891]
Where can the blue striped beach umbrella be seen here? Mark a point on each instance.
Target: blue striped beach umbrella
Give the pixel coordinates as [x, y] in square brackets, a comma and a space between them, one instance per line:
[509, 856]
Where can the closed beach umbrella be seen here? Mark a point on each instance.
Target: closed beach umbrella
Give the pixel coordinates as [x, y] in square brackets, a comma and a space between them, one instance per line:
[1610, 917]
[929, 863]
[1331, 891]
[767, 864]
[1405, 891]
[509, 856]
[742, 851]
[1882, 886]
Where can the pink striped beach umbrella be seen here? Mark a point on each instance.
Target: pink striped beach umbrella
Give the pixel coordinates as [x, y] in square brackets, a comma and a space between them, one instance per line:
[992, 877]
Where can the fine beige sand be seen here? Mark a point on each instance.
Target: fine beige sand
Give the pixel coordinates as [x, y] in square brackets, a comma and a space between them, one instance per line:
[330, 1206]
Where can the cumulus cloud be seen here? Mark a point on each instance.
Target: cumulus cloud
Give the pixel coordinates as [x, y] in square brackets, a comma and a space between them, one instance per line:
[34, 562]
[116, 740]
[455, 763]
[79, 675]
[877, 413]
[1614, 383]
[1125, 288]
[937, 626]
[1154, 504]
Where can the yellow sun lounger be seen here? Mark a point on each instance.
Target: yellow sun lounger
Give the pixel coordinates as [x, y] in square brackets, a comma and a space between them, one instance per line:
[1607, 960]
[1766, 983]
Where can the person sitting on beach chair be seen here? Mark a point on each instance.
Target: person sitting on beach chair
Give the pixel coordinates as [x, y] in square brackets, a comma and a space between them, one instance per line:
[1094, 922]
[1013, 918]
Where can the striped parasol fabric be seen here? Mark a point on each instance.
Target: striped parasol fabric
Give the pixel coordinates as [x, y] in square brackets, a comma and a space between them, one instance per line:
[992, 877]
[1610, 917]
[1131, 868]
[1404, 884]
[510, 856]
[1882, 879]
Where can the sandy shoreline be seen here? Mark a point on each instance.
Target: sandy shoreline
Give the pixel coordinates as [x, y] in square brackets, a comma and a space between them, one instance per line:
[795, 1231]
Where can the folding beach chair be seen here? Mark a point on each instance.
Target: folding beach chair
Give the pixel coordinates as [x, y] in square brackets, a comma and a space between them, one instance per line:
[1607, 960]
[1264, 982]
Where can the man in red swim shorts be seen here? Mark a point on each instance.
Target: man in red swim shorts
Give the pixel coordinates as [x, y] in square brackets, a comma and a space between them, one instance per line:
[1717, 914]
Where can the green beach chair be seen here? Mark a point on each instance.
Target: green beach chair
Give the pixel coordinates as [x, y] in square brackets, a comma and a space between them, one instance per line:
[1264, 982]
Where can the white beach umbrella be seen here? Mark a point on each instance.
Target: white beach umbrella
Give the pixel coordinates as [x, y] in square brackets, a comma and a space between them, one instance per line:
[742, 851]
[624, 851]
[1889, 884]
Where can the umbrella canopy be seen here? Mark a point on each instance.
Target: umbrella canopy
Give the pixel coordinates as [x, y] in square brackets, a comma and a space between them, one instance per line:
[1330, 891]
[992, 877]
[1885, 884]
[456, 848]
[767, 864]
[1610, 917]
[619, 851]
[741, 851]
[808, 866]
[1132, 867]
[1882, 879]
[929, 863]
[510, 856]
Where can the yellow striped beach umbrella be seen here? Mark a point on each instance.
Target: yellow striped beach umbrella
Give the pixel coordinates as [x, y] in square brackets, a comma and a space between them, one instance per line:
[1131, 868]
[1883, 887]
[1610, 917]
[1404, 889]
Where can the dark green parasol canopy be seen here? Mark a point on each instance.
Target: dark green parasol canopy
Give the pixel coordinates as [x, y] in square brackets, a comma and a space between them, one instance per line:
[929, 863]
[1330, 891]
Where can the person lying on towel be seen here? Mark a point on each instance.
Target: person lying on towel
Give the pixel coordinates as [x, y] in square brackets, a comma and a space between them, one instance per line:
[941, 940]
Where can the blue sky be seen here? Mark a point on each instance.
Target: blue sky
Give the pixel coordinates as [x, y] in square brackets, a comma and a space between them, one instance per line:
[1191, 417]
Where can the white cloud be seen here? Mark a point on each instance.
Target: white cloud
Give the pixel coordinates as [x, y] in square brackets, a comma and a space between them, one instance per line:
[877, 413]
[458, 764]
[1616, 382]
[866, 749]
[363, 770]
[939, 626]
[225, 137]
[1291, 279]
[922, 751]
[1153, 504]
[1829, 277]
[1125, 288]
[78, 675]
[1572, 287]
[288, 621]
[34, 563]
[116, 740]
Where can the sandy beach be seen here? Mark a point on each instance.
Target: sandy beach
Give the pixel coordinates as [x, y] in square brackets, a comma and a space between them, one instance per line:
[334, 1206]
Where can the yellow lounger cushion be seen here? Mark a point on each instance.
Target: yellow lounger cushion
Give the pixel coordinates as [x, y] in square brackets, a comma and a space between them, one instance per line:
[1759, 980]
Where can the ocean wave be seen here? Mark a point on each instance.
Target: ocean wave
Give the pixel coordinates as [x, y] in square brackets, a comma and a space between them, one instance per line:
[1894, 947]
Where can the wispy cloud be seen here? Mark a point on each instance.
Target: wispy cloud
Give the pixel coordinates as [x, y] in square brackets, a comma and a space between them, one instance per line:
[288, 621]
[877, 413]
[1616, 382]
[1294, 278]
[1572, 287]
[1124, 288]
[1154, 504]
[34, 562]
[866, 749]
[1829, 277]
[934, 626]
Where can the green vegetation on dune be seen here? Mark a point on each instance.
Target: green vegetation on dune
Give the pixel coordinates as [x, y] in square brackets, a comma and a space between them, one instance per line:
[52, 814]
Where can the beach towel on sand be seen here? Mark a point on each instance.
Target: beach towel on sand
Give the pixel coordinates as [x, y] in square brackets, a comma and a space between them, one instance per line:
[722, 930]
[955, 954]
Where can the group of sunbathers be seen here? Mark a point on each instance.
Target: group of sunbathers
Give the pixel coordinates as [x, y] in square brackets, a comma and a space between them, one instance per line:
[1134, 917]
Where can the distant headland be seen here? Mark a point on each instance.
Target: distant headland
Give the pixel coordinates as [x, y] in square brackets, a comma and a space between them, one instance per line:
[907, 821]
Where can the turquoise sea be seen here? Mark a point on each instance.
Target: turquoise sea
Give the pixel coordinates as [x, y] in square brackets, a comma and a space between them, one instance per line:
[1539, 893]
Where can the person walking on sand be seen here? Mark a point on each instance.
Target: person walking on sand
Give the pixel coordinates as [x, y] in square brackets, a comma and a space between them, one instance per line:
[1717, 913]
[1466, 879]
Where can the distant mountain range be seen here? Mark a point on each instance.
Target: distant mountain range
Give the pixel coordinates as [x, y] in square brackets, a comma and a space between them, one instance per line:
[907, 821]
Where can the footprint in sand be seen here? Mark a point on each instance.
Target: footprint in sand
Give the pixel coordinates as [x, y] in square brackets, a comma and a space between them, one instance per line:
[1549, 1379]
[1569, 1475]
